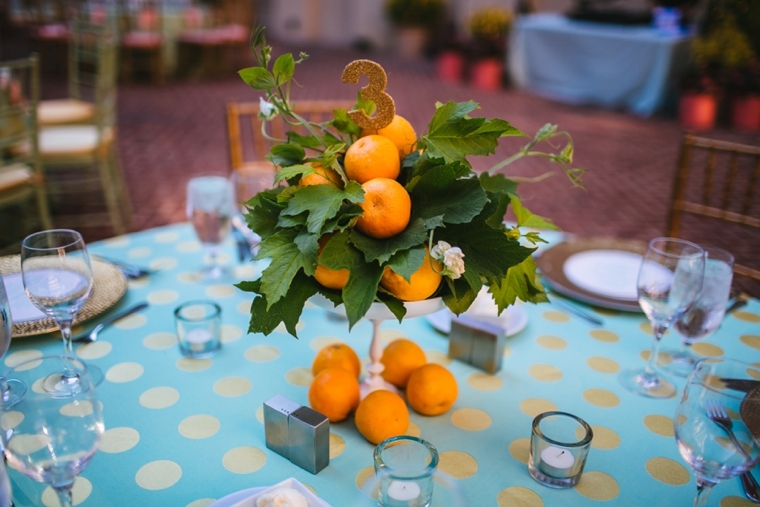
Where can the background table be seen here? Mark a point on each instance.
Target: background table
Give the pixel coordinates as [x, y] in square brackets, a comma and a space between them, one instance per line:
[182, 432]
[631, 67]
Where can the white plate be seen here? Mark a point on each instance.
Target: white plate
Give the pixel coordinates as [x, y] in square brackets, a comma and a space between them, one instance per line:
[240, 498]
[513, 319]
[609, 273]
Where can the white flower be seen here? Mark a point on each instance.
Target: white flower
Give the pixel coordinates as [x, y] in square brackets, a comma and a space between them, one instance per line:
[451, 257]
[266, 110]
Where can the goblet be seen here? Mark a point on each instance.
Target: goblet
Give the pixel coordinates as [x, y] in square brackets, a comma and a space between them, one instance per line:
[707, 313]
[10, 391]
[210, 207]
[708, 447]
[669, 281]
[48, 437]
[55, 269]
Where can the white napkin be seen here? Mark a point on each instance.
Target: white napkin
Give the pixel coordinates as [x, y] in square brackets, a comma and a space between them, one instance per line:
[22, 310]
[311, 499]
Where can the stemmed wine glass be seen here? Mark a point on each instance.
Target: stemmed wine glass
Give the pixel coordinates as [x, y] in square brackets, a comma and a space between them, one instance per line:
[707, 313]
[210, 207]
[52, 438]
[10, 390]
[703, 443]
[55, 269]
[669, 281]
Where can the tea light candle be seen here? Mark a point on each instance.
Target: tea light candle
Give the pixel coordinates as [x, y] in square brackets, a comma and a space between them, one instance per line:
[403, 491]
[556, 462]
[198, 336]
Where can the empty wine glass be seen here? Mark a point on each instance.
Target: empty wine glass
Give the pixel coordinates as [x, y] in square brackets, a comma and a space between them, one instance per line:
[707, 313]
[48, 437]
[210, 207]
[669, 281]
[10, 391]
[55, 269]
[703, 443]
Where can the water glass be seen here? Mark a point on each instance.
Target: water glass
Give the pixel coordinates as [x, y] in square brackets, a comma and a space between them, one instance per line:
[210, 207]
[10, 390]
[249, 181]
[405, 466]
[198, 328]
[559, 446]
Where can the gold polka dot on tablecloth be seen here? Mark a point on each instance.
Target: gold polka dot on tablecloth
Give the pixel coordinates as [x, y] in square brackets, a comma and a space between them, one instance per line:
[551, 342]
[389, 335]
[76, 409]
[220, 291]
[199, 426]
[189, 246]
[118, 440]
[201, 502]
[438, 357]
[80, 491]
[535, 406]
[284, 330]
[520, 449]
[94, 350]
[160, 474]
[166, 237]
[139, 252]
[662, 357]
[260, 414]
[484, 382]
[9, 420]
[163, 297]
[159, 397]
[603, 365]
[230, 333]
[736, 501]
[363, 478]
[604, 438]
[28, 444]
[660, 425]
[160, 341]
[246, 272]
[754, 373]
[747, 316]
[507, 351]
[321, 342]
[545, 373]
[232, 387]
[601, 398]
[517, 496]
[37, 386]
[131, 322]
[604, 336]
[598, 486]
[262, 353]
[244, 307]
[139, 283]
[413, 430]
[457, 464]
[124, 372]
[668, 471]
[244, 460]
[337, 445]
[299, 376]
[646, 328]
[471, 419]
[14, 359]
[707, 349]
[193, 365]
[555, 316]
[163, 263]
[117, 242]
[751, 340]
[190, 277]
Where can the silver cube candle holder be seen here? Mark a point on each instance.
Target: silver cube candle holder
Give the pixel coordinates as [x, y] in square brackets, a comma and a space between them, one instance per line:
[477, 342]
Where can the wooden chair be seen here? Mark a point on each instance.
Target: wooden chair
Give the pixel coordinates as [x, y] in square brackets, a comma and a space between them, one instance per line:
[249, 147]
[718, 181]
[21, 177]
[142, 36]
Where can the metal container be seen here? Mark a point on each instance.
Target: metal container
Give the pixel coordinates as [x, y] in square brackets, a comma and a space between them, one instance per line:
[309, 435]
[477, 342]
[277, 410]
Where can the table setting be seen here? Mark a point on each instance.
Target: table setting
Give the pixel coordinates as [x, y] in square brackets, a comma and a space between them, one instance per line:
[295, 352]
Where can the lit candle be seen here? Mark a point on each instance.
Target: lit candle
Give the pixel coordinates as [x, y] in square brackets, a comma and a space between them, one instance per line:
[197, 338]
[403, 491]
[556, 462]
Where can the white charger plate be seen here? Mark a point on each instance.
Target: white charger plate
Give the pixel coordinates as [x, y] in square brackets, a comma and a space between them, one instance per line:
[609, 273]
[513, 319]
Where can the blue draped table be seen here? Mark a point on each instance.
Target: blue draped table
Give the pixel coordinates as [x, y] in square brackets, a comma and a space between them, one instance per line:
[184, 432]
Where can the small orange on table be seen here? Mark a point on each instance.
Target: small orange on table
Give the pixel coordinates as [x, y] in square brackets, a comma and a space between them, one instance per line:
[337, 355]
[400, 132]
[334, 392]
[421, 285]
[387, 208]
[381, 414]
[400, 358]
[432, 389]
[371, 157]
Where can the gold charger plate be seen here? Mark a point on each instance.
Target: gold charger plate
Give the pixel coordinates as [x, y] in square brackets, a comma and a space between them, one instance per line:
[750, 412]
[551, 263]
[108, 287]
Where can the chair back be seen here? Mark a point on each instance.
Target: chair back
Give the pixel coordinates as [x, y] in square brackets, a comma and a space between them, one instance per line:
[248, 143]
[718, 180]
[140, 16]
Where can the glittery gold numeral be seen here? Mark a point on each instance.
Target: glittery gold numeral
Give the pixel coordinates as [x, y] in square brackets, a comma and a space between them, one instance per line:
[375, 91]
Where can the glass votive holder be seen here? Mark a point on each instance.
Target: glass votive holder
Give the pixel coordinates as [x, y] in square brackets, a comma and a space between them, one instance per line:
[559, 445]
[198, 328]
[404, 467]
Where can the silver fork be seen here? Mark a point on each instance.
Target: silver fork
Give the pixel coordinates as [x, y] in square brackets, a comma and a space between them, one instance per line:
[92, 336]
[717, 414]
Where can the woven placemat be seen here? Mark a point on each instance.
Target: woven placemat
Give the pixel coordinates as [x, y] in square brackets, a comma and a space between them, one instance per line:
[750, 412]
[108, 287]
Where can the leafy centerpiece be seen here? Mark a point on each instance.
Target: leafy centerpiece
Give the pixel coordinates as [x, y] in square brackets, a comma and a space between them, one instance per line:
[348, 222]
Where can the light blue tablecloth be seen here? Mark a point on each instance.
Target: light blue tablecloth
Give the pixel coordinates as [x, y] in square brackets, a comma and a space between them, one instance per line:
[181, 432]
[591, 63]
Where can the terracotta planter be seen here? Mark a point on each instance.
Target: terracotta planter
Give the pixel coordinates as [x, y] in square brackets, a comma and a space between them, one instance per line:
[450, 67]
[487, 74]
[745, 113]
[411, 42]
[697, 111]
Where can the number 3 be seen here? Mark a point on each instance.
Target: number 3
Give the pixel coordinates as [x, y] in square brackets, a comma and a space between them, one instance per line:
[375, 91]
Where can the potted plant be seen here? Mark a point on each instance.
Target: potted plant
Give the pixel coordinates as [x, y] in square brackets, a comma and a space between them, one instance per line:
[449, 63]
[743, 87]
[489, 28]
[698, 104]
[414, 19]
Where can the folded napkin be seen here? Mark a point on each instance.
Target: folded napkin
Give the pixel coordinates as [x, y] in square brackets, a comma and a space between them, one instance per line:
[311, 499]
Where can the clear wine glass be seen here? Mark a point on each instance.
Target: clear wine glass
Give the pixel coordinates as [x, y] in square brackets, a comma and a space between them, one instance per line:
[10, 391]
[704, 444]
[55, 269]
[48, 437]
[707, 313]
[669, 281]
[210, 208]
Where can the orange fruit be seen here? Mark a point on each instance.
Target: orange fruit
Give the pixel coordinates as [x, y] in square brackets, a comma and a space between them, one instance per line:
[322, 176]
[337, 355]
[387, 208]
[330, 278]
[371, 157]
[382, 414]
[431, 389]
[334, 392]
[400, 132]
[421, 285]
[400, 358]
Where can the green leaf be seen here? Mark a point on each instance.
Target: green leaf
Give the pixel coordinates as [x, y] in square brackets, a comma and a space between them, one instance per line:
[322, 202]
[406, 262]
[258, 78]
[498, 183]
[286, 154]
[305, 141]
[344, 124]
[396, 306]
[522, 283]
[439, 193]
[293, 171]
[368, 105]
[454, 140]
[381, 250]
[450, 111]
[527, 219]
[287, 260]
[264, 211]
[283, 68]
